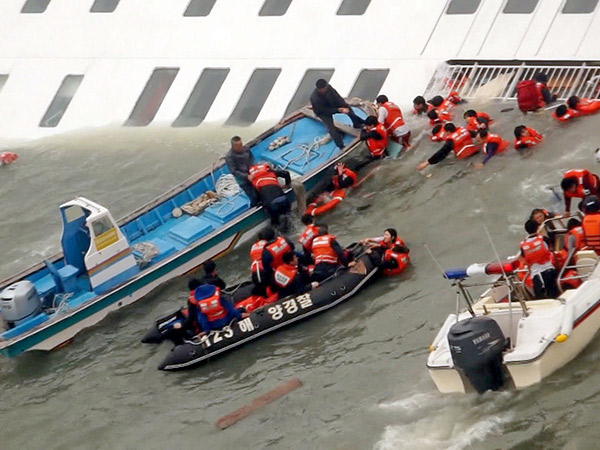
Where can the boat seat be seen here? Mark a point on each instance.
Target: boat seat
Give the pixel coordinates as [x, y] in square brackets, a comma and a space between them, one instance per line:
[190, 230]
[586, 260]
[55, 276]
[46, 287]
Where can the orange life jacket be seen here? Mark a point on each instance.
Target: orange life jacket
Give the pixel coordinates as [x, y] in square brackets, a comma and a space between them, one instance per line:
[322, 250]
[307, 236]
[591, 230]
[277, 249]
[570, 114]
[587, 106]
[462, 143]
[261, 175]
[285, 274]
[402, 259]
[585, 180]
[377, 146]
[398, 242]
[528, 141]
[579, 235]
[535, 250]
[211, 307]
[539, 87]
[348, 173]
[394, 117]
[256, 255]
[502, 143]
[438, 135]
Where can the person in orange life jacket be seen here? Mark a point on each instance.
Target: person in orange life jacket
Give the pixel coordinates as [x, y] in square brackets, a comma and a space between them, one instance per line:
[306, 238]
[214, 310]
[458, 140]
[291, 278]
[541, 83]
[395, 260]
[375, 136]
[388, 240]
[211, 275]
[583, 105]
[591, 222]
[575, 237]
[328, 254]
[563, 113]
[420, 106]
[476, 121]
[326, 102]
[260, 277]
[578, 183]
[491, 144]
[438, 133]
[538, 257]
[436, 119]
[272, 255]
[264, 179]
[390, 116]
[343, 177]
[526, 137]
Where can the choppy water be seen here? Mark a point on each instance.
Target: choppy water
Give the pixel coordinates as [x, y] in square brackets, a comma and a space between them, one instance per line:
[362, 364]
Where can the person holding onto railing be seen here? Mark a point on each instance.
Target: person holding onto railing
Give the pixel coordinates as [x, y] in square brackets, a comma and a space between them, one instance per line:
[536, 252]
[390, 116]
[526, 137]
[326, 102]
[239, 159]
[578, 183]
[458, 140]
[534, 94]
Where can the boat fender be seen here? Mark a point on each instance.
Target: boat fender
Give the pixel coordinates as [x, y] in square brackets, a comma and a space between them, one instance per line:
[567, 323]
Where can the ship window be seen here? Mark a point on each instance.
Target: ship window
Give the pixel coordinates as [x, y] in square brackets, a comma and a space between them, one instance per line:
[579, 6]
[353, 7]
[254, 96]
[463, 6]
[202, 97]
[368, 84]
[3, 79]
[72, 213]
[274, 7]
[61, 101]
[306, 87]
[519, 6]
[104, 6]
[199, 8]
[35, 6]
[102, 225]
[152, 97]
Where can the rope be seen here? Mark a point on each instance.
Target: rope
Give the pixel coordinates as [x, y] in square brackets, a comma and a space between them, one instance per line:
[307, 149]
[226, 186]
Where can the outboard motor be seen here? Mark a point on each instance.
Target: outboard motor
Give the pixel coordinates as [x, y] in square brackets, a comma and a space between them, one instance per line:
[476, 345]
[19, 301]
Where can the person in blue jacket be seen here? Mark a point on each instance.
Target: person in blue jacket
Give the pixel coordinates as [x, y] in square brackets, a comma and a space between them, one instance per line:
[210, 309]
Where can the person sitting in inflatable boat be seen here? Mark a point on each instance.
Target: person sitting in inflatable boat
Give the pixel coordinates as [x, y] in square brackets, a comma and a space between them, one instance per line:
[328, 255]
[388, 251]
[292, 278]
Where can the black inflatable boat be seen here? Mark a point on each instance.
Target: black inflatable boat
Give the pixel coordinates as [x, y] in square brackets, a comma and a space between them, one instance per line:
[271, 317]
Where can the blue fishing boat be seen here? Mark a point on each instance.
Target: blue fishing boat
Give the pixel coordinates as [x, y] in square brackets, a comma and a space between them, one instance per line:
[107, 264]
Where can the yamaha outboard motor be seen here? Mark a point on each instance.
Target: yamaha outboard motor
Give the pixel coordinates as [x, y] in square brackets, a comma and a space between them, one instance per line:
[476, 345]
[19, 301]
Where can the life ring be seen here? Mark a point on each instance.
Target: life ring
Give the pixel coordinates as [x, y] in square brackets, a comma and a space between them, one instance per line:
[7, 158]
[314, 209]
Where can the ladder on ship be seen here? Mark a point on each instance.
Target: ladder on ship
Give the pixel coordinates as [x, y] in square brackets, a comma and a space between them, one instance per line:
[497, 80]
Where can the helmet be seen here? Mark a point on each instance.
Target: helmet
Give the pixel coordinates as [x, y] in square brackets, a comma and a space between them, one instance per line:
[591, 204]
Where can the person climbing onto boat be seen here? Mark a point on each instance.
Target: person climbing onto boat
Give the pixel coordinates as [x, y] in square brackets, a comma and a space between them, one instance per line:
[326, 102]
[211, 276]
[575, 237]
[584, 106]
[291, 278]
[526, 137]
[578, 183]
[306, 238]
[548, 229]
[375, 136]
[328, 255]
[239, 159]
[264, 179]
[438, 102]
[272, 255]
[390, 116]
[535, 250]
[476, 120]
[534, 94]
[343, 177]
[491, 145]
[458, 140]
[395, 260]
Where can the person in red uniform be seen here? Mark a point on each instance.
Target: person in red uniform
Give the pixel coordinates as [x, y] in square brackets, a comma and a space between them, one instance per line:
[328, 254]
[536, 252]
[388, 252]
[578, 183]
[264, 179]
[291, 278]
[526, 137]
[375, 136]
[306, 238]
[458, 140]
[591, 222]
[272, 255]
[534, 94]
[476, 120]
[491, 145]
[390, 116]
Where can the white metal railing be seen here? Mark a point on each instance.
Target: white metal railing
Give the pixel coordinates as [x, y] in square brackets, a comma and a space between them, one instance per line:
[499, 81]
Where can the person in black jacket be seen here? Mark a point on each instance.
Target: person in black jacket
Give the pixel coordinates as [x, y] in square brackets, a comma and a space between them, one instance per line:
[239, 159]
[326, 102]
[211, 276]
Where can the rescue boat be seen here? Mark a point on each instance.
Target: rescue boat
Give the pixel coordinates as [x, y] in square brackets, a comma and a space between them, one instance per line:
[106, 264]
[269, 318]
[505, 338]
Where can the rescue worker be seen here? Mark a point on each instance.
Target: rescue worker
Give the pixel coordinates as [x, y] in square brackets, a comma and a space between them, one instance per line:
[491, 145]
[526, 137]
[375, 136]
[211, 275]
[327, 254]
[476, 120]
[239, 159]
[536, 252]
[583, 105]
[591, 222]
[326, 102]
[577, 183]
[458, 140]
[272, 255]
[306, 238]
[214, 310]
[343, 177]
[264, 179]
[260, 277]
[291, 278]
[390, 116]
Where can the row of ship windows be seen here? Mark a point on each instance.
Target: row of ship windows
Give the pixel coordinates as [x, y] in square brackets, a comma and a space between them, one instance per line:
[202, 8]
[257, 90]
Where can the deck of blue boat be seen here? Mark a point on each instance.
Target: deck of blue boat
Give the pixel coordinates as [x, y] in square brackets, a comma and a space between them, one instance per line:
[169, 234]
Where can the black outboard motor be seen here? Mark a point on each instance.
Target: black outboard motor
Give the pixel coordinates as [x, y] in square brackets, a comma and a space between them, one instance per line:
[476, 345]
